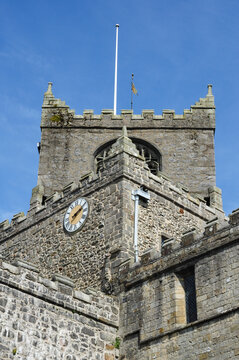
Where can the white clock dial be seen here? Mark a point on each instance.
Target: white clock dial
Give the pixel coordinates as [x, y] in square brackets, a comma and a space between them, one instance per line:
[76, 215]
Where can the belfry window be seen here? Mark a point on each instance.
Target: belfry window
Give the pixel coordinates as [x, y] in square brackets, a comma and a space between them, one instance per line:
[151, 155]
[101, 155]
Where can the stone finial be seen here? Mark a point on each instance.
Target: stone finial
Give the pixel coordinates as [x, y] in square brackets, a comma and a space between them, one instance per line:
[209, 93]
[48, 96]
[124, 144]
[207, 102]
[210, 97]
[49, 90]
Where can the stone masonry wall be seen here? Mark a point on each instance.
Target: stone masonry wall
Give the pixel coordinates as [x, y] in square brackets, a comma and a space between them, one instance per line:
[44, 320]
[161, 217]
[69, 142]
[152, 323]
[106, 239]
[216, 339]
[81, 256]
[187, 155]
[170, 211]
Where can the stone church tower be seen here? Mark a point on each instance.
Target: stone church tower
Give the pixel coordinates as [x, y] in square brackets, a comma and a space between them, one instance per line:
[125, 252]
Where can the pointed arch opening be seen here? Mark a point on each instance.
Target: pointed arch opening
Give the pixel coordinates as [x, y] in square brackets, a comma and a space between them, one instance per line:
[149, 152]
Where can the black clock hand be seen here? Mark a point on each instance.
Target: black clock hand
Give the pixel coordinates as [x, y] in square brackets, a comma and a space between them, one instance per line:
[75, 215]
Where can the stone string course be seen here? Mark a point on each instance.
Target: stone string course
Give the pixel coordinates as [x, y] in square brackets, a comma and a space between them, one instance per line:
[44, 319]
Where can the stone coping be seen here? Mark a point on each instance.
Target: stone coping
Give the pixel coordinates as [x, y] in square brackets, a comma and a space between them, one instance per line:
[93, 305]
[179, 254]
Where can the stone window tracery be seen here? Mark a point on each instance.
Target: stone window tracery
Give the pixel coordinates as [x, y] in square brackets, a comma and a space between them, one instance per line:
[147, 151]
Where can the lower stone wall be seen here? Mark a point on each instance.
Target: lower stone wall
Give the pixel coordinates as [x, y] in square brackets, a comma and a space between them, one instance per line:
[215, 339]
[46, 319]
[156, 302]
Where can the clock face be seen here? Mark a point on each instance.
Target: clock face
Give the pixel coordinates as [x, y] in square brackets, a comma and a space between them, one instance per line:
[75, 215]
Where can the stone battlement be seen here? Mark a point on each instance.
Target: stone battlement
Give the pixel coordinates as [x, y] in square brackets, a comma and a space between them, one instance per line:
[178, 253]
[51, 317]
[125, 252]
[24, 276]
[55, 113]
[88, 183]
[182, 145]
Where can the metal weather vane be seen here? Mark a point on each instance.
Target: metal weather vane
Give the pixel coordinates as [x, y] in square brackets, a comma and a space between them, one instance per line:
[134, 91]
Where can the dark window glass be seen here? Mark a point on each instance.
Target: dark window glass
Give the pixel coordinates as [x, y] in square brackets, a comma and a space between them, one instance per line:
[190, 295]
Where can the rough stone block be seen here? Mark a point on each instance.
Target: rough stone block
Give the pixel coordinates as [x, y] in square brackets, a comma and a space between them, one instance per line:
[4, 224]
[234, 217]
[149, 255]
[26, 265]
[11, 268]
[168, 246]
[188, 237]
[37, 195]
[215, 195]
[63, 280]
[211, 227]
[82, 296]
[17, 217]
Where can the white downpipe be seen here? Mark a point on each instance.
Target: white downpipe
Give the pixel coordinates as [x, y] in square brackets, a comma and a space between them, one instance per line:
[136, 206]
[116, 66]
[136, 194]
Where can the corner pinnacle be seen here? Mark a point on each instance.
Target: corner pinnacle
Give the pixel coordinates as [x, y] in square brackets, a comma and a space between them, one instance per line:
[209, 93]
[49, 90]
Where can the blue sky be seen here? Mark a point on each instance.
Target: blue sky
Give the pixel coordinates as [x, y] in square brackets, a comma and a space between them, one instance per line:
[174, 48]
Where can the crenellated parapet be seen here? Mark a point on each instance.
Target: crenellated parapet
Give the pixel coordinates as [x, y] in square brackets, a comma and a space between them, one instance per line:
[183, 144]
[24, 276]
[187, 251]
[55, 113]
[41, 205]
[72, 321]
[158, 291]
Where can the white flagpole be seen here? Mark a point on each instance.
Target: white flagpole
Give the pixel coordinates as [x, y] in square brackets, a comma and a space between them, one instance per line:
[116, 65]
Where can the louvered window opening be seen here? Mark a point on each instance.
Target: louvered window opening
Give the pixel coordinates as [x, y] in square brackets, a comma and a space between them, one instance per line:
[100, 158]
[151, 157]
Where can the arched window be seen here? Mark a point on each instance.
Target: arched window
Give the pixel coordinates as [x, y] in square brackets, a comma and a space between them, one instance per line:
[151, 155]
